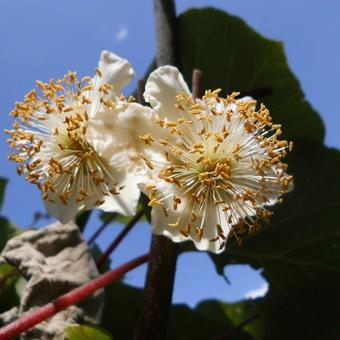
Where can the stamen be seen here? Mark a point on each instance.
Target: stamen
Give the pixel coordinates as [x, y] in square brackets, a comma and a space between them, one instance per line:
[227, 161]
[50, 139]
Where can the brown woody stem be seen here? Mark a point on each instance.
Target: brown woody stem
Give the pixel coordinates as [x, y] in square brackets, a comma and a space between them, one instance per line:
[156, 302]
[196, 83]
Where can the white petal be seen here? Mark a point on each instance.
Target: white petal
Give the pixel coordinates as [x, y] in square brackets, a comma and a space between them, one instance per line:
[161, 89]
[115, 135]
[160, 225]
[160, 222]
[115, 71]
[64, 213]
[126, 201]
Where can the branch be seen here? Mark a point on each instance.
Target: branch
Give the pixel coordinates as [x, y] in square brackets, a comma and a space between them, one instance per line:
[196, 83]
[166, 31]
[74, 296]
[156, 301]
[140, 91]
[119, 239]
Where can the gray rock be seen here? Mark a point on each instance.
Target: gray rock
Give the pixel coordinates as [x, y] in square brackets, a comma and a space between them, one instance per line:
[53, 260]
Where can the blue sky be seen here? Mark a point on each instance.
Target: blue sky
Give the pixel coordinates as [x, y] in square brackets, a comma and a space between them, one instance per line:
[42, 39]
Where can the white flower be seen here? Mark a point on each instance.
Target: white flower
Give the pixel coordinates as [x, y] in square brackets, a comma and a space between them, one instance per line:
[220, 164]
[73, 140]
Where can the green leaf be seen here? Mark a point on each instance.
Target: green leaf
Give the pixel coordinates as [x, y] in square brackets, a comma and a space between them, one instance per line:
[299, 251]
[143, 204]
[83, 332]
[121, 322]
[9, 296]
[7, 231]
[235, 314]
[106, 216]
[82, 219]
[234, 57]
[3, 183]
[97, 254]
[185, 323]
[204, 322]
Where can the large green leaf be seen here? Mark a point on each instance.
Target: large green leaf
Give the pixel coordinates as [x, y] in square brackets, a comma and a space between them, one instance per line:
[85, 332]
[7, 231]
[234, 57]
[299, 251]
[242, 313]
[3, 183]
[209, 320]
[9, 296]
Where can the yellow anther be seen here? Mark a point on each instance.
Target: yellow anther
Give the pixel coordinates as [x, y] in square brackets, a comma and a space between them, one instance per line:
[147, 139]
[98, 72]
[147, 162]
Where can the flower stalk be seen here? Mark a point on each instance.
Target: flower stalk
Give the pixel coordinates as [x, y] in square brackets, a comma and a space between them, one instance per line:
[74, 296]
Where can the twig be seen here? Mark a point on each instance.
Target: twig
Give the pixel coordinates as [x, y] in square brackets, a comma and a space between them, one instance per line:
[196, 82]
[140, 91]
[74, 296]
[101, 228]
[119, 238]
[37, 217]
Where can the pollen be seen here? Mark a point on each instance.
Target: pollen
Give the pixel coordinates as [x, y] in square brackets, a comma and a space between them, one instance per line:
[50, 142]
[227, 163]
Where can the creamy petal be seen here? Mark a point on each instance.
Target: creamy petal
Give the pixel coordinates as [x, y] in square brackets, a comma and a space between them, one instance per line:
[116, 135]
[160, 225]
[215, 216]
[161, 89]
[115, 70]
[64, 213]
[223, 168]
[126, 201]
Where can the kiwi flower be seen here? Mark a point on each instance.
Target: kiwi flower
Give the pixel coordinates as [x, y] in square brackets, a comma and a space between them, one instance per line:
[217, 166]
[72, 139]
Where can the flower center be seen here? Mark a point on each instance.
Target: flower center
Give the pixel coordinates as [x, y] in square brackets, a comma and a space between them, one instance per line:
[222, 158]
[53, 150]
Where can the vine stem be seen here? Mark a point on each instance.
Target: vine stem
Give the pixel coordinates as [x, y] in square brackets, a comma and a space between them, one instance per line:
[196, 83]
[101, 228]
[119, 238]
[74, 296]
[156, 301]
